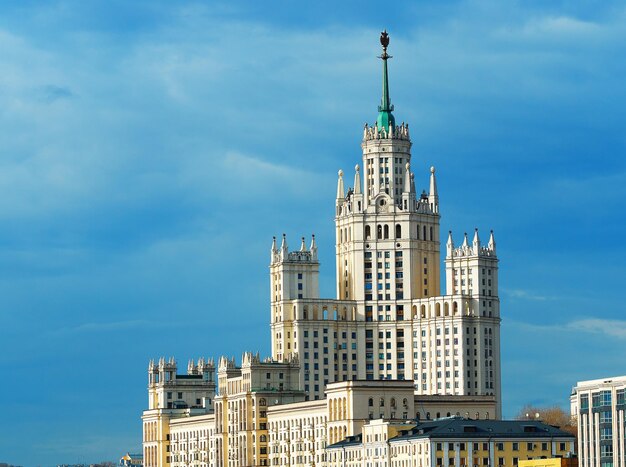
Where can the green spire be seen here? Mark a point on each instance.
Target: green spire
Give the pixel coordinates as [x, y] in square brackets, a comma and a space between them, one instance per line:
[385, 117]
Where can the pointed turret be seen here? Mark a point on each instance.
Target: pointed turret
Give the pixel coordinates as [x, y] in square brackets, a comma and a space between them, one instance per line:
[313, 248]
[385, 120]
[357, 180]
[274, 251]
[433, 197]
[412, 183]
[476, 241]
[302, 246]
[449, 244]
[284, 249]
[465, 243]
[407, 178]
[341, 193]
[492, 242]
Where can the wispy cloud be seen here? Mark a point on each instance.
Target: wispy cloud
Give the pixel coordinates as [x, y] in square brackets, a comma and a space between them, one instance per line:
[606, 327]
[525, 295]
[103, 327]
[51, 93]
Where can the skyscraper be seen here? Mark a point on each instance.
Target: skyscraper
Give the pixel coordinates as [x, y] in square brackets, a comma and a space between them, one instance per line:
[394, 346]
[390, 319]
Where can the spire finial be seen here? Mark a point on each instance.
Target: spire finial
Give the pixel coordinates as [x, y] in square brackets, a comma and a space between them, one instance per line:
[357, 180]
[341, 193]
[385, 117]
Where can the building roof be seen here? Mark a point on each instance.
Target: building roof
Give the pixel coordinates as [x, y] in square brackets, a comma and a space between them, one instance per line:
[459, 427]
[349, 441]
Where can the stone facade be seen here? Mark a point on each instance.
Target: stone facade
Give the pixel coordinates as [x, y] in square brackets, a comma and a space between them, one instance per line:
[390, 350]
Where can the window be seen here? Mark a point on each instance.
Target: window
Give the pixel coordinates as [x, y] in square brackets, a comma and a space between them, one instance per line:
[606, 417]
[606, 450]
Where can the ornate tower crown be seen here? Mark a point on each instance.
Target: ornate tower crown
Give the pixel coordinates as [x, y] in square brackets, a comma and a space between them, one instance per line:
[385, 117]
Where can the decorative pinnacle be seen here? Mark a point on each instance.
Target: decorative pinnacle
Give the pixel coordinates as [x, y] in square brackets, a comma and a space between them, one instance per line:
[384, 41]
[385, 117]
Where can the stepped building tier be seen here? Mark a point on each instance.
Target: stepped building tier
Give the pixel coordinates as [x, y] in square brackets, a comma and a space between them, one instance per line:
[390, 319]
[390, 352]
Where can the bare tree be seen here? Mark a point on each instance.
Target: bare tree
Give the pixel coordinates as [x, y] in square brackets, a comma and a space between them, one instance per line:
[554, 416]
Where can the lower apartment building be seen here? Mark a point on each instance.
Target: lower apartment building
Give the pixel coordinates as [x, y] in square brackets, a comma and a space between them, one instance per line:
[599, 407]
[450, 442]
[257, 414]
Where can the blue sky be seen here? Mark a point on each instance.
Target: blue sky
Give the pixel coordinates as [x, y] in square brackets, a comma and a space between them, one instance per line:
[150, 150]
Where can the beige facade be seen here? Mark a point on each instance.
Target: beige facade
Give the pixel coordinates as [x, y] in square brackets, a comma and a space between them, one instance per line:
[390, 318]
[391, 346]
[172, 396]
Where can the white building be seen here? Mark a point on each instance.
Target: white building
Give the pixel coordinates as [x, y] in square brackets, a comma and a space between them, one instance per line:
[599, 407]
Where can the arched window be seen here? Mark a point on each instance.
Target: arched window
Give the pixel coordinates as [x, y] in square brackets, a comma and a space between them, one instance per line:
[382, 402]
[370, 402]
[386, 231]
[398, 231]
[379, 232]
[424, 232]
[262, 402]
[418, 231]
[368, 232]
[431, 234]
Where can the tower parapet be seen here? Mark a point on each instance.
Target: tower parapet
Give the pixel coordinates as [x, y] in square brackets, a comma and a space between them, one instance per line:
[475, 249]
[283, 254]
[400, 132]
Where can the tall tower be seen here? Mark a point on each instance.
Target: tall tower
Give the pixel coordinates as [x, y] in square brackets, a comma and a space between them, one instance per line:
[389, 319]
[472, 272]
[387, 238]
[293, 276]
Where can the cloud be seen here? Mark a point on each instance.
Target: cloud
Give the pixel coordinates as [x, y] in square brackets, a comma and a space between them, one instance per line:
[52, 93]
[525, 295]
[111, 326]
[606, 327]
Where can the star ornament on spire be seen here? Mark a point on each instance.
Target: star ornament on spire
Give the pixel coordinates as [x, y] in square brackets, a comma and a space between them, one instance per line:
[384, 41]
